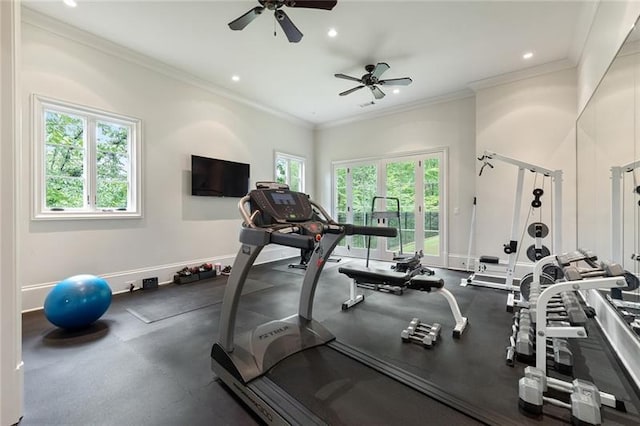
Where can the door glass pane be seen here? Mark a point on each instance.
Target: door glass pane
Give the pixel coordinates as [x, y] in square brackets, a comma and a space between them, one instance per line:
[364, 184]
[432, 207]
[340, 213]
[401, 184]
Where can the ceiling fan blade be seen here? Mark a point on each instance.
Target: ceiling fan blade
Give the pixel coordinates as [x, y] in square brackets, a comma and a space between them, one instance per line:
[346, 92]
[291, 31]
[347, 77]
[380, 68]
[245, 19]
[313, 4]
[396, 81]
[377, 93]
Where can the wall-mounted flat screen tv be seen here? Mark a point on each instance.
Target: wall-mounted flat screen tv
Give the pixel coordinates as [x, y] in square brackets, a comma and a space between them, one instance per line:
[211, 177]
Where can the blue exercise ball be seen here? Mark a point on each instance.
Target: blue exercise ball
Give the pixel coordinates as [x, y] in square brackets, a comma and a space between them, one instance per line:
[77, 301]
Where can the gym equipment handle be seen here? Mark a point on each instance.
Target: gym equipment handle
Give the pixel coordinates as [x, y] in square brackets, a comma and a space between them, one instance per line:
[378, 231]
[293, 240]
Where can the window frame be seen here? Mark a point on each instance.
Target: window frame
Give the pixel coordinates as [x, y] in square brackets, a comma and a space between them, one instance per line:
[288, 158]
[40, 104]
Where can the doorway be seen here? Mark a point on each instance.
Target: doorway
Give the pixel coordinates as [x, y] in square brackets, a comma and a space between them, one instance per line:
[416, 182]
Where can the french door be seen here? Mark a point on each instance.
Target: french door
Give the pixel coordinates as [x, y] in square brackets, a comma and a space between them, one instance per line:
[417, 183]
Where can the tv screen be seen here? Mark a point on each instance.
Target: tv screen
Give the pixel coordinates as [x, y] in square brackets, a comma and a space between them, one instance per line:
[218, 178]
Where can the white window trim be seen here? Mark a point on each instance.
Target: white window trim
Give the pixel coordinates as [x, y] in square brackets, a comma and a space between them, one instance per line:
[303, 171]
[39, 212]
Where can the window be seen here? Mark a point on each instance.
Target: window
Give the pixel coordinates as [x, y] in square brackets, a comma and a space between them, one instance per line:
[87, 162]
[290, 170]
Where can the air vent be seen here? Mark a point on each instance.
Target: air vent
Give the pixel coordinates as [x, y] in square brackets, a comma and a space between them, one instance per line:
[367, 104]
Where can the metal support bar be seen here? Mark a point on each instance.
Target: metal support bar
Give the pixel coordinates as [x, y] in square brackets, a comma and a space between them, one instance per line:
[243, 262]
[616, 214]
[515, 230]
[543, 330]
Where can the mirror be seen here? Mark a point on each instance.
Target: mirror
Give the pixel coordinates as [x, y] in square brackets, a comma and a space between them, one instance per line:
[608, 163]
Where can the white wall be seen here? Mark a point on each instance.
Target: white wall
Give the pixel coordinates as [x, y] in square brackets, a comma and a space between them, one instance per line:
[446, 124]
[179, 119]
[531, 120]
[11, 366]
[612, 22]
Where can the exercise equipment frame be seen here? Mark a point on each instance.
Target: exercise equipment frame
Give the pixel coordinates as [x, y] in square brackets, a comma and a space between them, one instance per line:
[556, 178]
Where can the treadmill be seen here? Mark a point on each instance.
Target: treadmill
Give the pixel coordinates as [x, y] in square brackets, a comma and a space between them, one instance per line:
[293, 370]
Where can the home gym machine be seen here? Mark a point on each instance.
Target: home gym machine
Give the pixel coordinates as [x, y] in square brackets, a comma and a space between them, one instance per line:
[536, 230]
[266, 366]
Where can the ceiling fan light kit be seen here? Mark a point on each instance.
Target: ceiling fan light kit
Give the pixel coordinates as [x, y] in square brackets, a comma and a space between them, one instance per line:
[292, 32]
[372, 80]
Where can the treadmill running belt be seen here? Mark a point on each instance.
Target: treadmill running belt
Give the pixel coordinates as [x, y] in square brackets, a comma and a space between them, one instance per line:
[342, 391]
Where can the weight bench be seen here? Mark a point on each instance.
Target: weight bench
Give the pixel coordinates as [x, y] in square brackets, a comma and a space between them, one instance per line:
[426, 283]
[386, 280]
[396, 282]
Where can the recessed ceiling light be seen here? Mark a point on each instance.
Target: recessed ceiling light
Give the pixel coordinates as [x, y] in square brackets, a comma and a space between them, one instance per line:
[332, 32]
[70, 3]
[396, 91]
[527, 55]
[235, 78]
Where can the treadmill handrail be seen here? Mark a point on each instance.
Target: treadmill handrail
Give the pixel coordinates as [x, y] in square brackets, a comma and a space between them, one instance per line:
[376, 231]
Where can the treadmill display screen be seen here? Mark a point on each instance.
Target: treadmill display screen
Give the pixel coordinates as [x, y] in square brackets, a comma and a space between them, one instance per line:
[283, 199]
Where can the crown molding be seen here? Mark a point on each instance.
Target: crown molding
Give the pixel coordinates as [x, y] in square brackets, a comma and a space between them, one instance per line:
[61, 29]
[450, 97]
[549, 67]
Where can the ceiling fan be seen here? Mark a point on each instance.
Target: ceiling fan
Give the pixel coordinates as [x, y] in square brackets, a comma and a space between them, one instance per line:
[372, 79]
[291, 31]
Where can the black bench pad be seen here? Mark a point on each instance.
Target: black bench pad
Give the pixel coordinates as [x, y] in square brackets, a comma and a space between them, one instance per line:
[376, 276]
[423, 282]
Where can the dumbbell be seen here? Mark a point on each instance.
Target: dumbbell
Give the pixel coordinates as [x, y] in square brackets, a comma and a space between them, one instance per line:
[411, 336]
[432, 329]
[557, 350]
[585, 397]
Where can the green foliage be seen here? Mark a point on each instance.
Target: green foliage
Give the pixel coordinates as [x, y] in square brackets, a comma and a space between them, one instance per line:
[281, 170]
[295, 167]
[64, 169]
[112, 152]
[64, 192]
[294, 177]
[65, 162]
[400, 182]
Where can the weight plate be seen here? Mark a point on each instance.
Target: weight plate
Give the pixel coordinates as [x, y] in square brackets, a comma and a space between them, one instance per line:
[525, 286]
[533, 256]
[538, 192]
[554, 271]
[527, 280]
[544, 230]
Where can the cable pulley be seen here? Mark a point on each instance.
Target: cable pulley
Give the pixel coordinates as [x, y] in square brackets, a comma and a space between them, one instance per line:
[537, 193]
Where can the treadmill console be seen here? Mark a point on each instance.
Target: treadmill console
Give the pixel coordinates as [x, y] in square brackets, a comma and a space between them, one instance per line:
[281, 205]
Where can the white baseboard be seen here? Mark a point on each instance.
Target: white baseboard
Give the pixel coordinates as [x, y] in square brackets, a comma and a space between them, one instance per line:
[459, 262]
[33, 296]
